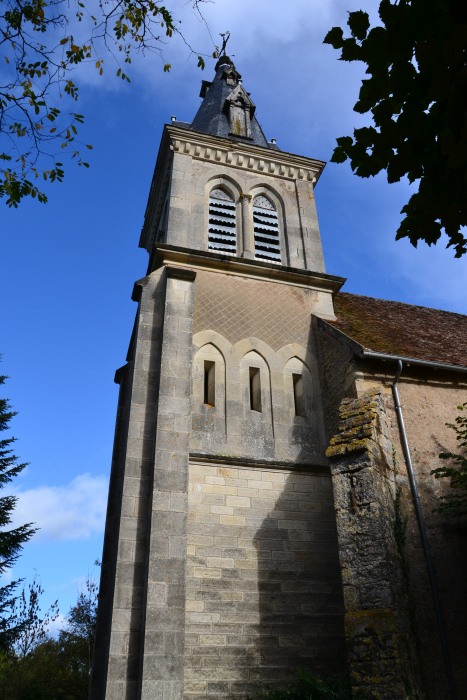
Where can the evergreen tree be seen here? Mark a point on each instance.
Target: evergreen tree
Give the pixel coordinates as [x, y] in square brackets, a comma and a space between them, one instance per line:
[11, 539]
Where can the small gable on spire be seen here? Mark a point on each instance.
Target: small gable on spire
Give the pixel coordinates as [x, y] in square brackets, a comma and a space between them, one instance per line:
[240, 109]
[231, 76]
[227, 110]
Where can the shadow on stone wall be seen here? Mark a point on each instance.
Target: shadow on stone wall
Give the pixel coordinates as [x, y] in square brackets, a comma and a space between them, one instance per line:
[299, 581]
[299, 586]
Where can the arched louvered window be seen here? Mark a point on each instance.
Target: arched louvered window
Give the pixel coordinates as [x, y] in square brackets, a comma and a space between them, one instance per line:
[222, 222]
[266, 229]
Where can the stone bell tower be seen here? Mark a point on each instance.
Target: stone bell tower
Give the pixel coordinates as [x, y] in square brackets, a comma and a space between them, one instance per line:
[220, 565]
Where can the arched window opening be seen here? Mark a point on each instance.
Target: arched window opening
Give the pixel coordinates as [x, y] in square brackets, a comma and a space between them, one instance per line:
[255, 389]
[209, 383]
[298, 395]
[222, 222]
[266, 230]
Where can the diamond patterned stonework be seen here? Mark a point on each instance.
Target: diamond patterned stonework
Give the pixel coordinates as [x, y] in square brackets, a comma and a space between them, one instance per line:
[238, 308]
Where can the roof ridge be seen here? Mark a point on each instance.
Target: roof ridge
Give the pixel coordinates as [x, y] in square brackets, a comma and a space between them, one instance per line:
[402, 303]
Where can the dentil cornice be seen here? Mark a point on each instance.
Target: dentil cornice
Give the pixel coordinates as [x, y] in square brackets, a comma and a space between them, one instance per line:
[243, 155]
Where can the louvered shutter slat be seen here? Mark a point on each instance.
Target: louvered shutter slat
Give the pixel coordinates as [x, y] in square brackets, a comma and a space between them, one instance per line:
[222, 235]
[266, 230]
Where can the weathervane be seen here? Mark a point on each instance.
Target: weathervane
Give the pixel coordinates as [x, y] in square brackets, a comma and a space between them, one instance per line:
[225, 38]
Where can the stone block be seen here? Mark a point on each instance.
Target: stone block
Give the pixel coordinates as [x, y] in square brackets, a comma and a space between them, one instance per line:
[238, 501]
[177, 546]
[178, 502]
[232, 520]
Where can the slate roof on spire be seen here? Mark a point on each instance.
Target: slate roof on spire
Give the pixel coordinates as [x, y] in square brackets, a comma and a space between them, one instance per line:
[213, 115]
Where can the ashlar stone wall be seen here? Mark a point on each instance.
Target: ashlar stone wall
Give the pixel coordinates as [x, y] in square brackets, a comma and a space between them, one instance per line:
[263, 586]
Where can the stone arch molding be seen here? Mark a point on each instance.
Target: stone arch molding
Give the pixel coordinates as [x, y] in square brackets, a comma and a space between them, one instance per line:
[243, 347]
[226, 181]
[269, 192]
[216, 339]
[274, 428]
[296, 350]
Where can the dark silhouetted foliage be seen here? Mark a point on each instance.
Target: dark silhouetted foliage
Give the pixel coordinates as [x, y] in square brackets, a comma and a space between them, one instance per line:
[309, 687]
[11, 539]
[416, 92]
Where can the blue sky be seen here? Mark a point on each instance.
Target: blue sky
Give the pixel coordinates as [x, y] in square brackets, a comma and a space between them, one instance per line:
[68, 267]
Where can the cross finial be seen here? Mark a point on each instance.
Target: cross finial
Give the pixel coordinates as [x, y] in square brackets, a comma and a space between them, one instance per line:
[225, 38]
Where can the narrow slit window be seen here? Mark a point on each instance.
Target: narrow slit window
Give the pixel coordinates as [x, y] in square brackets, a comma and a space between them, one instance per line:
[209, 383]
[298, 394]
[255, 389]
[266, 229]
[222, 235]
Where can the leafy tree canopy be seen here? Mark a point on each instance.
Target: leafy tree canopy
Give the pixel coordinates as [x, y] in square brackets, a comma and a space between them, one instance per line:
[40, 665]
[42, 42]
[416, 93]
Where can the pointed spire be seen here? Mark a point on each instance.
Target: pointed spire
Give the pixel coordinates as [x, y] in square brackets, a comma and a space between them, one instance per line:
[227, 109]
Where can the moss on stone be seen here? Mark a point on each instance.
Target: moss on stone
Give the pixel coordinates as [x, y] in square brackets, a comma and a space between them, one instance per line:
[356, 425]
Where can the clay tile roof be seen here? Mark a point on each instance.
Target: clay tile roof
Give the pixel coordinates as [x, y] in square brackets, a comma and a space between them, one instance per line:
[402, 329]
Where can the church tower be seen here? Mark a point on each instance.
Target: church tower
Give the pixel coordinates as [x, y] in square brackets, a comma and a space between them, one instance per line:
[220, 566]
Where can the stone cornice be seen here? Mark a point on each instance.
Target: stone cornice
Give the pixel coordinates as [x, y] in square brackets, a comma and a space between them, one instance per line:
[243, 155]
[204, 260]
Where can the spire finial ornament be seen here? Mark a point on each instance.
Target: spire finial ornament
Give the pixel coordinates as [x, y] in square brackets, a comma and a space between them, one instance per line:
[225, 38]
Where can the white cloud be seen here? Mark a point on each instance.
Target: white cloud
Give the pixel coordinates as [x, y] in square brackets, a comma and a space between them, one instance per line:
[55, 626]
[74, 511]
